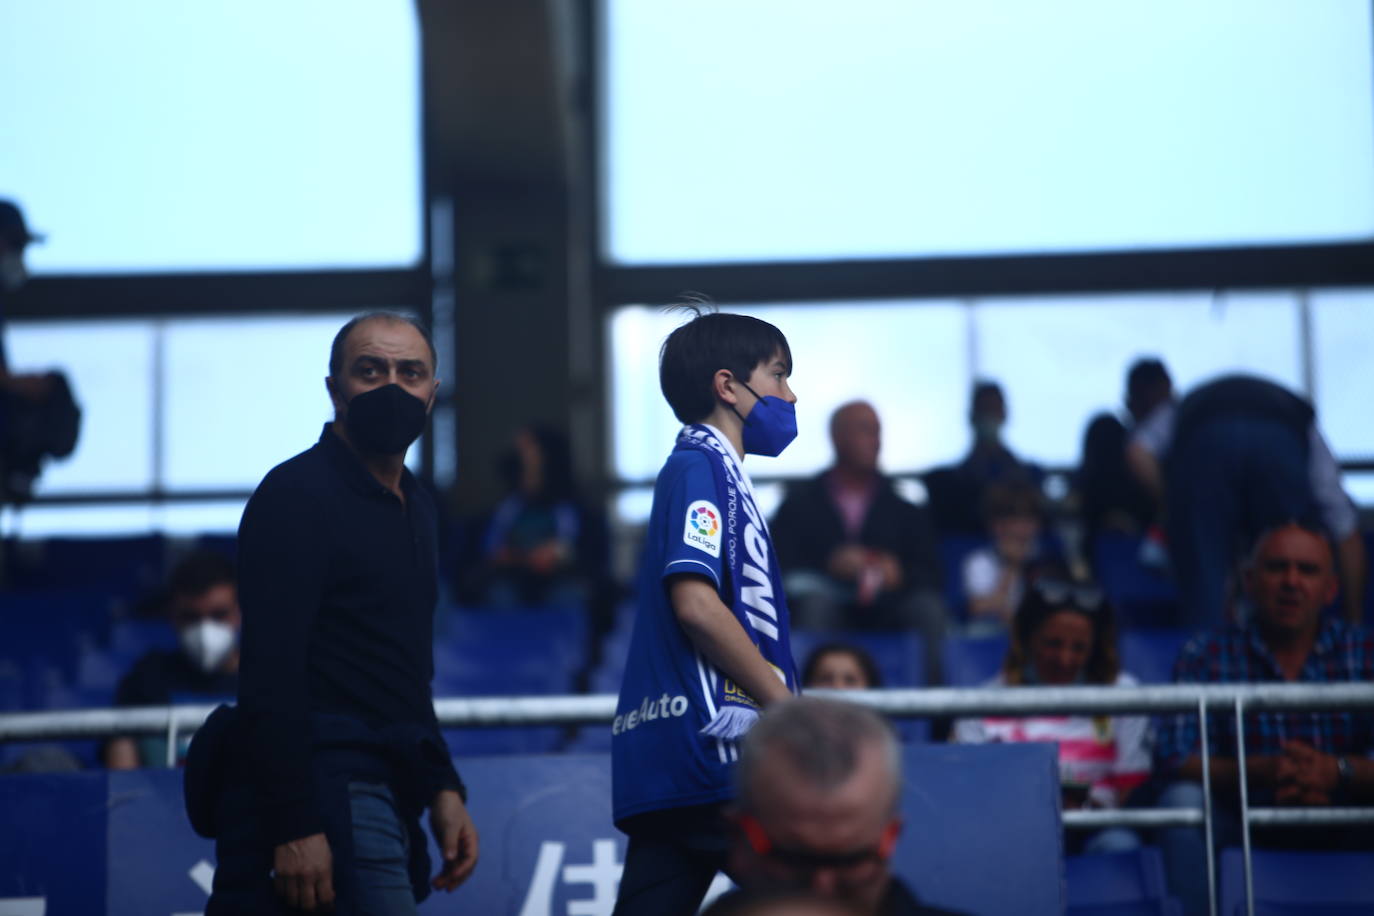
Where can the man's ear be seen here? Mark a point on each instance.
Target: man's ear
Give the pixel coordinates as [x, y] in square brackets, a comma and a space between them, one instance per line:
[334, 396]
[724, 384]
[433, 396]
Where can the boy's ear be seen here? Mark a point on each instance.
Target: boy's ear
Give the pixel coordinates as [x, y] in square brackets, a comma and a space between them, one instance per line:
[725, 386]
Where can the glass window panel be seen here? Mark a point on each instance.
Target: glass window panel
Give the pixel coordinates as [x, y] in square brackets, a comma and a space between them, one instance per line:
[1343, 341]
[179, 519]
[110, 367]
[1061, 360]
[243, 395]
[911, 129]
[909, 359]
[163, 135]
[78, 521]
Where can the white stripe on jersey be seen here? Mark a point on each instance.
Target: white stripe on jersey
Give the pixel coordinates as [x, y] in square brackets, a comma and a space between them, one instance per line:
[708, 692]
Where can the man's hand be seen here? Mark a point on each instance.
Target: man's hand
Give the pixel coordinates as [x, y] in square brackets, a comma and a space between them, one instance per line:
[1305, 775]
[457, 839]
[847, 561]
[304, 873]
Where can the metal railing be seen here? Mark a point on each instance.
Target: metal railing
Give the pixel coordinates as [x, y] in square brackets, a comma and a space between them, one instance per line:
[1202, 699]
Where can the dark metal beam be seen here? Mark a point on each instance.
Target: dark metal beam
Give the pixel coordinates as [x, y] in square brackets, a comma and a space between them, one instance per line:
[811, 281]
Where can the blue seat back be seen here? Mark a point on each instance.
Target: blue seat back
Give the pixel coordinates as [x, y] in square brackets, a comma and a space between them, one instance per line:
[900, 657]
[970, 661]
[1149, 654]
[1143, 596]
[1119, 877]
[1290, 881]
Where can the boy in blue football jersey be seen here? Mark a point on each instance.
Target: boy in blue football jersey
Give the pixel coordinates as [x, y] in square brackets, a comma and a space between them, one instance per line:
[710, 645]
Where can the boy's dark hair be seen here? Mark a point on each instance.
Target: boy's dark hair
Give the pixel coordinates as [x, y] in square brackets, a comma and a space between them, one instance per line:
[336, 349]
[712, 341]
[199, 572]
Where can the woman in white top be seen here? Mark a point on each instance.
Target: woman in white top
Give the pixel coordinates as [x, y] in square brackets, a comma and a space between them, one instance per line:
[1065, 634]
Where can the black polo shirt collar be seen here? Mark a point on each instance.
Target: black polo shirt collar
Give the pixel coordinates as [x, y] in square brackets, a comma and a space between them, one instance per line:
[354, 473]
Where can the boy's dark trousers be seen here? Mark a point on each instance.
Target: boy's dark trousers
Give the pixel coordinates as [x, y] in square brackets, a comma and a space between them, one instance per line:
[672, 859]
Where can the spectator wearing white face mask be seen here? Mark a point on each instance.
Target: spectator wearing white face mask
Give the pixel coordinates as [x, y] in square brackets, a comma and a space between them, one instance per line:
[204, 609]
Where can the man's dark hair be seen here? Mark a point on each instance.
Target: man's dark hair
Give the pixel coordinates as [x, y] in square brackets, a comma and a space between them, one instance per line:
[1311, 524]
[336, 350]
[1146, 377]
[199, 572]
[711, 341]
[985, 389]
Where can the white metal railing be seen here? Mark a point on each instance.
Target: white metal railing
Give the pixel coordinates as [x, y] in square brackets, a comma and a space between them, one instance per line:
[1203, 699]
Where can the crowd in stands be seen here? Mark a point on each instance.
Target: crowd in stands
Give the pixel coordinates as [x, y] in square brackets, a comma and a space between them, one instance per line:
[1217, 516]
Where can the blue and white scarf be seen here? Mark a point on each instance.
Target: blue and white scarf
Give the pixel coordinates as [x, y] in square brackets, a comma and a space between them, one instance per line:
[753, 586]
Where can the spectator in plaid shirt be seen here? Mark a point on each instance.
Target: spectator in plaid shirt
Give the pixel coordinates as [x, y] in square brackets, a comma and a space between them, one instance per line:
[1291, 758]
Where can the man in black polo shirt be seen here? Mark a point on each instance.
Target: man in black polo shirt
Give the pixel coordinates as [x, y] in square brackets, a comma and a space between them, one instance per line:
[337, 738]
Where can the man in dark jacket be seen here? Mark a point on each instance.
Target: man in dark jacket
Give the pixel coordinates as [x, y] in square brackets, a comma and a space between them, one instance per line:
[855, 554]
[338, 744]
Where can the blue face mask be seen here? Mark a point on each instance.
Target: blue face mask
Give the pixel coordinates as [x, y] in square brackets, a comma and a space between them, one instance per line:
[770, 427]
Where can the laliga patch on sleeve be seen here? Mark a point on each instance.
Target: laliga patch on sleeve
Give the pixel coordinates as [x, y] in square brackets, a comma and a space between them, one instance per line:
[703, 527]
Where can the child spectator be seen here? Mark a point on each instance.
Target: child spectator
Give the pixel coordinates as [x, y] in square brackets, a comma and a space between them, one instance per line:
[841, 665]
[995, 576]
[1065, 634]
[540, 545]
[710, 645]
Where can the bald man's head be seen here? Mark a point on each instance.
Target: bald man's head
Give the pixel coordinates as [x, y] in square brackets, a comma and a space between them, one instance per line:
[856, 435]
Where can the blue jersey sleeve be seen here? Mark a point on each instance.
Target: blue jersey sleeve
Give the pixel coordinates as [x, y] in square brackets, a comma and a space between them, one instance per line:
[692, 525]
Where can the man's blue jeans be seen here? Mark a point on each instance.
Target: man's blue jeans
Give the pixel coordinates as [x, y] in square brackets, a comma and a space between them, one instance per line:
[381, 851]
[1226, 482]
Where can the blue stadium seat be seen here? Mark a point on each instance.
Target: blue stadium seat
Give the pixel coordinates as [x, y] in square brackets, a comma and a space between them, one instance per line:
[954, 550]
[132, 639]
[1114, 878]
[1316, 883]
[1169, 906]
[127, 566]
[899, 656]
[488, 742]
[1142, 596]
[499, 673]
[1150, 654]
[970, 661]
[50, 628]
[516, 639]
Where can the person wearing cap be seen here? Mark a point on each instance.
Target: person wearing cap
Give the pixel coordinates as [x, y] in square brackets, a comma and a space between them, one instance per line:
[15, 236]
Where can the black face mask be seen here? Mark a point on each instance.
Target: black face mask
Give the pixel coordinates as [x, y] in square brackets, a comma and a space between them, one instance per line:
[385, 420]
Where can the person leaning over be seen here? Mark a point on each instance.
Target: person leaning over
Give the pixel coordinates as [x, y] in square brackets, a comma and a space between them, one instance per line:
[337, 735]
[710, 645]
